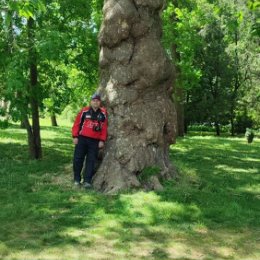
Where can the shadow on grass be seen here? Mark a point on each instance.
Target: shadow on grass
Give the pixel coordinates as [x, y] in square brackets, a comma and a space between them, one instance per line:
[210, 206]
[220, 180]
[34, 209]
[216, 204]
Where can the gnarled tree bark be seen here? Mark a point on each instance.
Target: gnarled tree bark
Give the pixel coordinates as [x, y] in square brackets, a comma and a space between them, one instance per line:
[136, 83]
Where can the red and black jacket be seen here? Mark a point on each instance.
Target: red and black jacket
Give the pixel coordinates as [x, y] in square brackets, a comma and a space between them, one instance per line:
[86, 121]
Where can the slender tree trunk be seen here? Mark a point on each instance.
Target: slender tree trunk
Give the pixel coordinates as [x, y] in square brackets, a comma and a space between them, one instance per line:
[136, 83]
[54, 120]
[30, 137]
[33, 90]
[217, 128]
[178, 90]
[22, 124]
[236, 84]
[232, 125]
[185, 128]
[34, 140]
[180, 110]
[186, 122]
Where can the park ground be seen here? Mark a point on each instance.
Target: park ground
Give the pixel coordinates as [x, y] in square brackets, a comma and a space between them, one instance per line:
[210, 212]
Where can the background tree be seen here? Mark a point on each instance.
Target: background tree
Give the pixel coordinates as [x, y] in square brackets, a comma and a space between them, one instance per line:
[180, 41]
[192, 39]
[53, 34]
[63, 39]
[21, 86]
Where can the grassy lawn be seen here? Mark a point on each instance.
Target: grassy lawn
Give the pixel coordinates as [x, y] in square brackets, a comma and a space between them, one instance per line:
[211, 211]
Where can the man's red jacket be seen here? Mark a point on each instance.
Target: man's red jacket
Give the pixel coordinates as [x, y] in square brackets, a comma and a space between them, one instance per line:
[88, 120]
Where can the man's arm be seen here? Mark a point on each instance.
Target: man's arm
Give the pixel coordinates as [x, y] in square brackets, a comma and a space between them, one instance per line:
[103, 136]
[76, 127]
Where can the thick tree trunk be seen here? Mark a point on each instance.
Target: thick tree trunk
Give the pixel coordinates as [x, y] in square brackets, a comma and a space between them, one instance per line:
[136, 83]
[33, 90]
[54, 120]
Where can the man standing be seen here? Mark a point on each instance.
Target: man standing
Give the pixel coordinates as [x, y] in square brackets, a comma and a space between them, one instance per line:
[89, 133]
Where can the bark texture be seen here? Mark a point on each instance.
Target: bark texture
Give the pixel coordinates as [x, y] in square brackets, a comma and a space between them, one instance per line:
[34, 137]
[136, 84]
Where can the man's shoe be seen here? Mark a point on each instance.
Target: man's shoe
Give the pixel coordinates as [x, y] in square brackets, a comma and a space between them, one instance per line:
[76, 183]
[87, 185]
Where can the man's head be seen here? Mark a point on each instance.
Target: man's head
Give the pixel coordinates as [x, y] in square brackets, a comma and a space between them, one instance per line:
[95, 101]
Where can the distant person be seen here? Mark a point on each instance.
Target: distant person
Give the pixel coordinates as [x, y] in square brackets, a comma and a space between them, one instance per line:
[89, 134]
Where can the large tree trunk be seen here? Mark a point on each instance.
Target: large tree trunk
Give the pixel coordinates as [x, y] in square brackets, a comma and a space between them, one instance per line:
[33, 91]
[136, 83]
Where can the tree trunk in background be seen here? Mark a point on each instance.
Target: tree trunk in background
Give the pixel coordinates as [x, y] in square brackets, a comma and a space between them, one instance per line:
[178, 91]
[180, 110]
[136, 83]
[54, 120]
[232, 130]
[22, 125]
[30, 137]
[35, 144]
[237, 83]
[217, 128]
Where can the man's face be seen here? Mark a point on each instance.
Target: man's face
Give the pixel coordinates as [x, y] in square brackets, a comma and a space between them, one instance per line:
[95, 103]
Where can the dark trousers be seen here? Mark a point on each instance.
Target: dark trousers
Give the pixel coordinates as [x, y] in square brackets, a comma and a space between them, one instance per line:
[86, 147]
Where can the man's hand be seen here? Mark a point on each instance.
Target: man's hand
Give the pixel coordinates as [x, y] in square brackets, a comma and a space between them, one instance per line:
[101, 144]
[75, 140]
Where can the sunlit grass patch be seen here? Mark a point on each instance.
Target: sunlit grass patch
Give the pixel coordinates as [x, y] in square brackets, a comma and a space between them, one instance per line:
[211, 211]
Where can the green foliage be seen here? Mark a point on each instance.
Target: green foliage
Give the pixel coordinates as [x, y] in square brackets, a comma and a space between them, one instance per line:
[243, 121]
[4, 123]
[66, 45]
[254, 5]
[208, 127]
[214, 51]
[180, 33]
[213, 44]
[148, 172]
[249, 135]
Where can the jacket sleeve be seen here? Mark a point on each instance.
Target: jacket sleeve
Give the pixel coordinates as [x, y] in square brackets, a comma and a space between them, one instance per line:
[76, 125]
[103, 136]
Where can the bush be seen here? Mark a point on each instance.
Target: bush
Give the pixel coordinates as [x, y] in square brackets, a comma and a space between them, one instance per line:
[257, 132]
[205, 127]
[249, 135]
[208, 127]
[4, 124]
[148, 172]
[242, 122]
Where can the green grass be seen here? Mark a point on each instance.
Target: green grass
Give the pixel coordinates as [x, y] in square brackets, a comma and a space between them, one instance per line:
[211, 211]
